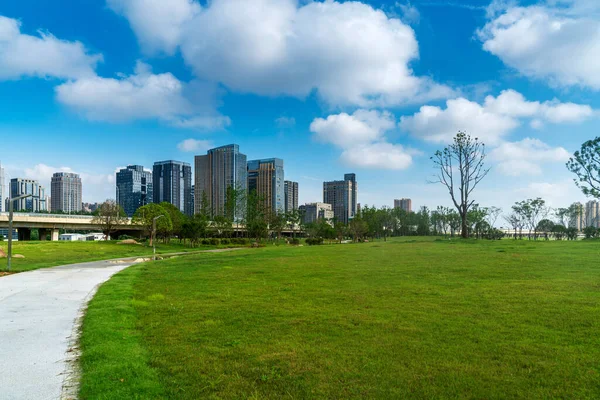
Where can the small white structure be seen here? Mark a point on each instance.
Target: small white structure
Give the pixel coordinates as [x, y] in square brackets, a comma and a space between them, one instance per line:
[70, 237]
[94, 237]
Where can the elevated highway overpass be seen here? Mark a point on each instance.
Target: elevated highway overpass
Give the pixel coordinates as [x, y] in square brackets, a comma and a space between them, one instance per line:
[50, 225]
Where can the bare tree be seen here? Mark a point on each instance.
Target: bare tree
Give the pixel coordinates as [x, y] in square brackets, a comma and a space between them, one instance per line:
[515, 221]
[461, 168]
[492, 214]
[109, 216]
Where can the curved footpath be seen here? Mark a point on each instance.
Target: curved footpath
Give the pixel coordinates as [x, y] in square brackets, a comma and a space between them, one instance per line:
[39, 311]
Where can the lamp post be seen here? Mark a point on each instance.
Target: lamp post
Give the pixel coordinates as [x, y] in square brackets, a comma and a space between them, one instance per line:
[10, 226]
[154, 236]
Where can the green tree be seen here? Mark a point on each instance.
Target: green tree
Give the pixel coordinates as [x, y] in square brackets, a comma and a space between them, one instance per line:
[109, 216]
[585, 163]
[177, 218]
[461, 169]
[145, 215]
[358, 228]
[531, 212]
[256, 217]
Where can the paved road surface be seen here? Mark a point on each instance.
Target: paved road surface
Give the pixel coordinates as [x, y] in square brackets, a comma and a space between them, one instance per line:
[38, 310]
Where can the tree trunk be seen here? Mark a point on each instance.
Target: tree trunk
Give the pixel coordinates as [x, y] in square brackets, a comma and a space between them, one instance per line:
[465, 229]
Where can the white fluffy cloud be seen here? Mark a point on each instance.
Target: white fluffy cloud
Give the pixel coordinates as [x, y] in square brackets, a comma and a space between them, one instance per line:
[43, 56]
[350, 53]
[490, 121]
[157, 23]
[526, 157]
[557, 40]
[143, 95]
[195, 146]
[362, 138]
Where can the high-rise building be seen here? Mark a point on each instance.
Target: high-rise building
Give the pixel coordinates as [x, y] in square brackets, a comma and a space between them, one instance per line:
[65, 190]
[578, 218]
[221, 168]
[172, 182]
[265, 177]
[592, 213]
[134, 188]
[2, 190]
[312, 212]
[403, 204]
[342, 195]
[291, 196]
[35, 203]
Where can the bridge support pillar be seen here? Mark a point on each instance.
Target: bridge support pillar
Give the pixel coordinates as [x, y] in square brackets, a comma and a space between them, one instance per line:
[24, 234]
[54, 235]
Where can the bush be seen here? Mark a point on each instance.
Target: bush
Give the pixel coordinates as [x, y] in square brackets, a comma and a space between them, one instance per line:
[1, 238]
[242, 241]
[295, 241]
[205, 242]
[125, 237]
[214, 242]
[225, 241]
[314, 241]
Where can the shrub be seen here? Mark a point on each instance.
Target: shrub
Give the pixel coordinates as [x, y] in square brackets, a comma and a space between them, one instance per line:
[225, 241]
[295, 241]
[125, 237]
[314, 241]
[205, 242]
[214, 242]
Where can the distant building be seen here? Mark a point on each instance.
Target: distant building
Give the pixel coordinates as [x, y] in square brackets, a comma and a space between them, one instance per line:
[220, 168]
[592, 214]
[291, 196]
[2, 190]
[35, 203]
[70, 237]
[134, 189]
[403, 204]
[91, 207]
[313, 212]
[66, 192]
[265, 177]
[172, 182]
[342, 195]
[578, 219]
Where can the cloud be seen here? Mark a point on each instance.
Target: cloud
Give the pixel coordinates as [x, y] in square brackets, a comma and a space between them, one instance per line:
[197, 146]
[95, 187]
[557, 41]
[140, 96]
[560, 193]
[285, 122]
[379, 155]
[349, 53]
[158, 24]
[44, 57]
[490, 121]
[409, 13]
[526, 157]
[361, 136]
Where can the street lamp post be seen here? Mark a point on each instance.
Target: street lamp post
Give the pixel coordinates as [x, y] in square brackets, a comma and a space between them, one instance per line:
[10, 227]
[154, 236]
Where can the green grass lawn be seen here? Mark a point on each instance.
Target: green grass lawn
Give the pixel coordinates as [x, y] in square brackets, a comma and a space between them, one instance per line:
[50, 254]
[402, 319]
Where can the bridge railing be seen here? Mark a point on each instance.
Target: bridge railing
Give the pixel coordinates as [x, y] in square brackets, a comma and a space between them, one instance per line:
[51, 216]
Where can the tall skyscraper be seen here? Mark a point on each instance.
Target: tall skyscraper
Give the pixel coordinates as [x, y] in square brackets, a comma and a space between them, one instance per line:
[577, 220]
[172, 182]
[35, 203]
[342, 195]
[404, 204]
[592, 213]
[134, 188]
[2, 190]
[219, 169]
[266, 178]
[291, 196]
[65, 190]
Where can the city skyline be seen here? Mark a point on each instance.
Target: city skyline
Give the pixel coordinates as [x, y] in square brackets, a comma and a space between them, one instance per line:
[445, 68]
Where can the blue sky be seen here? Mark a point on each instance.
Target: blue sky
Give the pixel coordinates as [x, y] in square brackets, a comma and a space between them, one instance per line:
[331, 87]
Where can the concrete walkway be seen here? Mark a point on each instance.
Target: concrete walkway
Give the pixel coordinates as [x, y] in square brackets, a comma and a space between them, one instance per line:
[38, 311]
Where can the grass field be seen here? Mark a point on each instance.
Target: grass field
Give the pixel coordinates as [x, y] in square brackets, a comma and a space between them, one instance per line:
[402, 319]
[50, 254]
